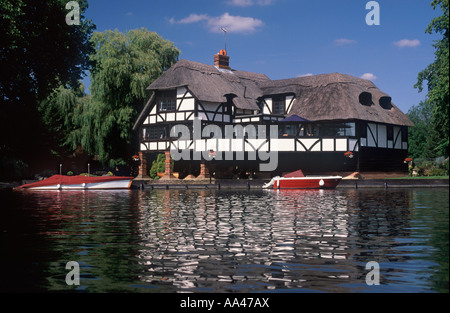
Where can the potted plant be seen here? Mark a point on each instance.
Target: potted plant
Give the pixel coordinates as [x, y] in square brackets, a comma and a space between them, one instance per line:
[158, 167]
[412, 171]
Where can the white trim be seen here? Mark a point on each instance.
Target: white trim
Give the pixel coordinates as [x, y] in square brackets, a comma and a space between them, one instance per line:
[327, 144]
[341, 144]
[382, 136]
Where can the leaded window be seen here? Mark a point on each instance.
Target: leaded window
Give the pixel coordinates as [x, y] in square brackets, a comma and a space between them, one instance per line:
[278, 104]
[167, 100]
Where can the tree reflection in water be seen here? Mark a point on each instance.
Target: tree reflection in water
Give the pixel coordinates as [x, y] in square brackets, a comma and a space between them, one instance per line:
[226, 241]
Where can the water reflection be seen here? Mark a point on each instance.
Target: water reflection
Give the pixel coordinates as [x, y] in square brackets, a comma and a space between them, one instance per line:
[313, 239]
[226, 241]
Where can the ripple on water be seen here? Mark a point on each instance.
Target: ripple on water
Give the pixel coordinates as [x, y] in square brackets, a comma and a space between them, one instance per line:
[232, 241]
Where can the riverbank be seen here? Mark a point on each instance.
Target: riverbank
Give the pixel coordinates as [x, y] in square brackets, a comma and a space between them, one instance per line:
[258, 183]
[416, 182]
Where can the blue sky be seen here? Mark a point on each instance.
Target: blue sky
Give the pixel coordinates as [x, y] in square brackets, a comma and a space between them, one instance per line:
[290, 38]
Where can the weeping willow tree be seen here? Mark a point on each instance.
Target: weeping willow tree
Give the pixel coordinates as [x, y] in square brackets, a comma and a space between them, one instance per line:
[124, 65]
[57, 111]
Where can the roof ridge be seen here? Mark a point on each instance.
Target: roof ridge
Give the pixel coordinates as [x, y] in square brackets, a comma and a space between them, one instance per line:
[196, 66]
[202, 67]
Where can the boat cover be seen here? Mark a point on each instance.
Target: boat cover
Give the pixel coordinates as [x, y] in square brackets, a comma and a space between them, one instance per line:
[73, 180]
[298, 173]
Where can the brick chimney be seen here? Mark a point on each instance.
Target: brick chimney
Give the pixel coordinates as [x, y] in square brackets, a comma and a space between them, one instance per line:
[222, 60]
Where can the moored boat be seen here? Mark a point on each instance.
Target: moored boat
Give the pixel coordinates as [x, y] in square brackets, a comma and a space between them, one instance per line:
[296, 180]
[62, 182]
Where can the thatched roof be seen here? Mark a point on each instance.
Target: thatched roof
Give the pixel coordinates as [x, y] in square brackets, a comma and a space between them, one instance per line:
[317, 98]
[337, 96]
[208, 83]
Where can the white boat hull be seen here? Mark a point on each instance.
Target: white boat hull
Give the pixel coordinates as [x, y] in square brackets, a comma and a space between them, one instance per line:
[120, 184]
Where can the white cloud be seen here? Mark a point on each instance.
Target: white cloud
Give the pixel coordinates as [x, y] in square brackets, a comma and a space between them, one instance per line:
[233, 24]
[193, 18]
[344, 41]
[407, 43]
[305, 75]
[247, 3]
[368, 76]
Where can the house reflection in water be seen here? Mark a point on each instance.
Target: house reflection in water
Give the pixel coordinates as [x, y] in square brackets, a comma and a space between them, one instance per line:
[206, 240]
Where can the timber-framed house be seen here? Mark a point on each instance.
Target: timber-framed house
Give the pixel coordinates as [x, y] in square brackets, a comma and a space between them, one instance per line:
[325, 123]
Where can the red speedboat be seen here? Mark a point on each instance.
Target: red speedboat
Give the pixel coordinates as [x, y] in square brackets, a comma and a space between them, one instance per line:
[62, 182]
[296, 180]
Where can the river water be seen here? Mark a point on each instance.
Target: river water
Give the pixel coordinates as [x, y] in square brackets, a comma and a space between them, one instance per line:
[166, 241]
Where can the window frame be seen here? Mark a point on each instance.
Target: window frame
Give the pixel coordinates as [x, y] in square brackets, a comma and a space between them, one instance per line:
[279, 102]
[167, 100]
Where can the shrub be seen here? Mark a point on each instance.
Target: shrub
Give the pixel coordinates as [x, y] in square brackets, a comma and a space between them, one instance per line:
[444, 166]
[158, 166]
[11, 168]
[432, 167]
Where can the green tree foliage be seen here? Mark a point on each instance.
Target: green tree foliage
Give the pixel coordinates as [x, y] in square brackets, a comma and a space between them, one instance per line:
[58, 111]
[38, 53]
[422, 138]
[437, 76]
[124, 65]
